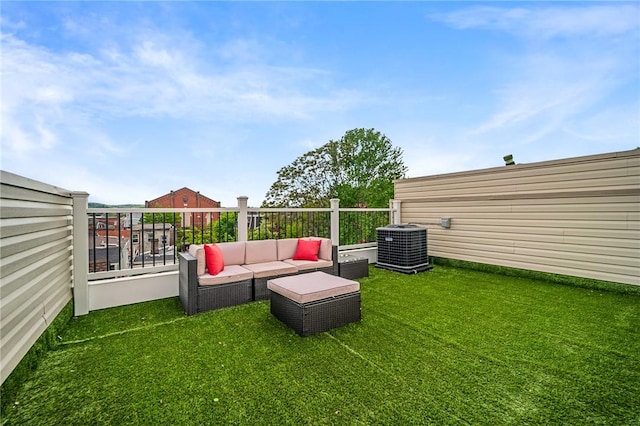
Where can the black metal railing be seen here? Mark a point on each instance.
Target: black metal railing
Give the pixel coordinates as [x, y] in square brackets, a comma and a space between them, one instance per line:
[126, 239]
[276, 224]
[358, 226]
[209, 227]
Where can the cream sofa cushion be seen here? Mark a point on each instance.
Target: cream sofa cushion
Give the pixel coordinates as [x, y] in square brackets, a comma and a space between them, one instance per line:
[232, 253]
[304, 265]
[270, 269]
[197, 251]
[260, 252]
[230, 274]
[287, 248]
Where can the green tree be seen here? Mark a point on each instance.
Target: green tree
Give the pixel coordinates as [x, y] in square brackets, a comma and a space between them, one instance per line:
[359, 169]
[225, 229]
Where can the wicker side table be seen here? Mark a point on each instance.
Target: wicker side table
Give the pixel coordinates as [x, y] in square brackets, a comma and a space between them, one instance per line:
[353, 267]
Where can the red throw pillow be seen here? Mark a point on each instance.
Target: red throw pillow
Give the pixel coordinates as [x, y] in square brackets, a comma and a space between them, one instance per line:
[307, 250]
[213, 258]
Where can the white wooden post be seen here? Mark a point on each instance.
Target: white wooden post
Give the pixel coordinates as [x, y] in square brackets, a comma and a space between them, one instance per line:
[335, 221]
[396, 218]
[80, 253]
[242, 218]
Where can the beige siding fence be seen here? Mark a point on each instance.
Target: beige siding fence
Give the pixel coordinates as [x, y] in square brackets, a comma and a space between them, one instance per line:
[35, 263]
[577, 216]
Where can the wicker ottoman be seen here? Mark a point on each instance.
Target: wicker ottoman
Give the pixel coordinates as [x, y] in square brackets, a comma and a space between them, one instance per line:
[314, 302]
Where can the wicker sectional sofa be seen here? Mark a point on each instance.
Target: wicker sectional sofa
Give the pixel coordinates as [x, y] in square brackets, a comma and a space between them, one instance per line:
[247, 268]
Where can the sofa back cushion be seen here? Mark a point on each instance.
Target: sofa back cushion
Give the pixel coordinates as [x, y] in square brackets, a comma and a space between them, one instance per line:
[287, 248]
[232, 253]
[197, 251]
[326, 249]
[261, 251]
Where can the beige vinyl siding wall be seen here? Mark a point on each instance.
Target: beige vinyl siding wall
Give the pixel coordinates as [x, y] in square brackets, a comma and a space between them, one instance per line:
[35, 263]
[577, 216]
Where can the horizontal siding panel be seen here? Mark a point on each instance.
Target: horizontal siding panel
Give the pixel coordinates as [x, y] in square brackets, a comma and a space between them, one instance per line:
[526, 231]
[592, 202]
[56, 302]
[24, 226]
[18, 193]
[605, 243]
[623, 208]
[515, 183]
[531, 223]
[437, 208]
[60, 275]
[18, 281]
[40, 299]
[596, 275]
[541, 172]
[19, 243]
[533, 263]
[540, 215]
[580, 215]
[14, 346]
[7, 178]
[551, 243]
[457, 234]
[622, 234]
[19, 209]
[630, 199]
[550, 252]
[607, 257]
[501, 223]
[20, 260]
[35, 262]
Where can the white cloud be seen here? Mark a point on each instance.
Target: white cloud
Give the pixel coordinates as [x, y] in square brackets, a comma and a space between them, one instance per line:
[546, 91]
[547, 86]
[156, 79]
[547, 22]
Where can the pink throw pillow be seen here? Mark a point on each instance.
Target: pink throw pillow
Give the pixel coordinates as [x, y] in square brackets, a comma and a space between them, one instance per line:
[307, 250]
[213, 258]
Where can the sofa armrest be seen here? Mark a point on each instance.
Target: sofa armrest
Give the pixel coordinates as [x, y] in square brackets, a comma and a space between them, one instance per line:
[188, 283]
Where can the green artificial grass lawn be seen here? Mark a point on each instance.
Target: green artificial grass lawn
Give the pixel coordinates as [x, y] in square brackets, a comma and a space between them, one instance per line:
[446, 346]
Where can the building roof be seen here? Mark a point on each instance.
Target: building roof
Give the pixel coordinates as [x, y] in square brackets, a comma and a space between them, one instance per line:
[183, 190]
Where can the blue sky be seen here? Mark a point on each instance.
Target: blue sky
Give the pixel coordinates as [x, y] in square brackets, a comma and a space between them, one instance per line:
[129, 100]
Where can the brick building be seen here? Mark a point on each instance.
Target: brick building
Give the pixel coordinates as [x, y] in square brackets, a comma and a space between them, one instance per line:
[188, 198]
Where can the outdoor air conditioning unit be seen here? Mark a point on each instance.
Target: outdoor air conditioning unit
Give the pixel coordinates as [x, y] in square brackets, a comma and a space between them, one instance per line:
[403, 248]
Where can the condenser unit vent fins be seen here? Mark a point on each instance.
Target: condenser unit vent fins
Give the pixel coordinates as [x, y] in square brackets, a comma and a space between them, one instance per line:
[403, 248]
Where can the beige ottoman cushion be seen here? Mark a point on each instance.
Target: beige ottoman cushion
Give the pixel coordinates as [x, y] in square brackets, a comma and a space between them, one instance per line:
[313, 286]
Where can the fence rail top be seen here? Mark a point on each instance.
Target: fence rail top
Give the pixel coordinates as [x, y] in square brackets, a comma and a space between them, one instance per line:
[287, 210]
[380, 209]
[111, 210]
